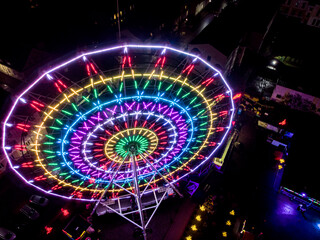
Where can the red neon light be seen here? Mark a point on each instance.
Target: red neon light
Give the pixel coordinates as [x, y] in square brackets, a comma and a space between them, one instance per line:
[129, 61]
[58, 88]
[48, 229]
[65, 212]
[135, 123]
[157, 63]
[27, 165]
[220, 96]
[76, 194]
[40, 178]
[116, 127]
[102, 138]
[158, 129]
[61, 83]
[219, 129]
[108, 133]
[92, 180]
[37, 103]
[88, 70]
[126, 124]
[35, 107]
[144, 123]
[56, 84]
[56, 187]
[238, 95]
[151, 125]
[207, 82]
[97, 150]
[163, 61]
[124, 61]
[189, 68]
[284, 122]
[23, 127]
[223, 113]
[20, 147]
[93, 68]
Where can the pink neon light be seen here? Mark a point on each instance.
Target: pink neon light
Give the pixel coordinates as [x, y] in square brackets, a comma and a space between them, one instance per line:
[83, 55]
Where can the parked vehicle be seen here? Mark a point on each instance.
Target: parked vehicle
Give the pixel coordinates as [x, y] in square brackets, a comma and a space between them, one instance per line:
[6, 234]
[29, 212]
[39, 200]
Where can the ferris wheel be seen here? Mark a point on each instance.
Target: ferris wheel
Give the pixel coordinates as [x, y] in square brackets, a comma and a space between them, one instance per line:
[118, 123]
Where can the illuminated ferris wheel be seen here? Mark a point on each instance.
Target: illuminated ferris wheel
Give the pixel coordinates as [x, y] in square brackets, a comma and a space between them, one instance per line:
[117, 123]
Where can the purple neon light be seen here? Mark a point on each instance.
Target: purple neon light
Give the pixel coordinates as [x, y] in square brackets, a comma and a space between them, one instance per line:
[47, 73]
[75, 155]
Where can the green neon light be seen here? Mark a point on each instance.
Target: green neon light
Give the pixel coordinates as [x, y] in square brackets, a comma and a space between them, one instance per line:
[54, 128]
[201, 112]
[95, 92]
[109, 89]
[48, 143]
[197, 105]
[52, 164]
[58, 121]
[55, 169]
[179, 91]
[48, 151]
[146, 84]
[121, 86]
[186, 95]
[74, 107]
[86, 99]
[193, 100]
[66, 112]
[48, 136]
[170, 86]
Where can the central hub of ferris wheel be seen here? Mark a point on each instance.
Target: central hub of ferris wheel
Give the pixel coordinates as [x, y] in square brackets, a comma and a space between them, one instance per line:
[117, 123]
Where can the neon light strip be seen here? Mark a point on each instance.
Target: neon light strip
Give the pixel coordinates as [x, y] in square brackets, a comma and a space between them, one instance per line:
[95, 52]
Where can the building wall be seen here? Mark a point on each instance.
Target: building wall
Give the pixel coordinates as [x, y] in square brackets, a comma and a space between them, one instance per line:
[210, 54]
[296, 100]
[303, 11]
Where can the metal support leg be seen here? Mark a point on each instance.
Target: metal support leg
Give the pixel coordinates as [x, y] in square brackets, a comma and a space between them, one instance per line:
[138, 197]
[171, 185]
[105, 191]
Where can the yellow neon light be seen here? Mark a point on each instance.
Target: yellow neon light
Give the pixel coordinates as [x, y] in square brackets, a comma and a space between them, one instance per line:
[209, 103]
